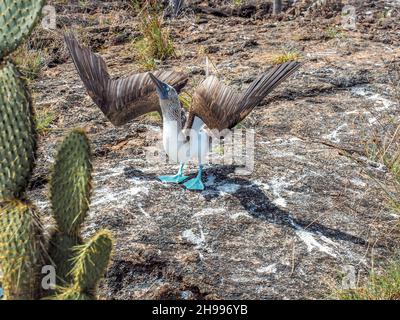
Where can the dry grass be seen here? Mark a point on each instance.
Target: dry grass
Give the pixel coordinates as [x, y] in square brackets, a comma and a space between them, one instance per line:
[384, 144]
[156, 44]
[43, 120]
[30, 62]
[380, 287]
[333, 32]
[384, 147]
[286, 57]
[138, 6]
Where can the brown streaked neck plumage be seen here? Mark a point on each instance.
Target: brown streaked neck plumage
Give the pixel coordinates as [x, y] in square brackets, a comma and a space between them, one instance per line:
[171, 111]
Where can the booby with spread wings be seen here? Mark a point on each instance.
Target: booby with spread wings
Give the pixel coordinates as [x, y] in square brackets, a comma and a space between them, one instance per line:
[214, 106]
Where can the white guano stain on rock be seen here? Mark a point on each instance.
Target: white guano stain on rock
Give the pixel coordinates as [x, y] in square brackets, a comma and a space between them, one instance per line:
[358, 182]
[268, 269]
[375, 97]
[105, 195]
[189, 235]
[310, 241]
[209, 212]
[236, 215]
[333, 136]
[228, 188]
[280, 202]
[278, 185]
[382, 102]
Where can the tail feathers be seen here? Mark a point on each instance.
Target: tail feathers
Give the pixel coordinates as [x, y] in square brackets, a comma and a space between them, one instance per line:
[264, 84]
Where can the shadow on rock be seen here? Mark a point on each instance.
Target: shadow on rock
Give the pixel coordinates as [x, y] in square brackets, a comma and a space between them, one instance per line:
[254, 201]
[257, 204]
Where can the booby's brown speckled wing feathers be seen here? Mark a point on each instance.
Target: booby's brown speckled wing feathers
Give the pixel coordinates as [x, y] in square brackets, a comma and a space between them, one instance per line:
[123, 99]
[221, 108]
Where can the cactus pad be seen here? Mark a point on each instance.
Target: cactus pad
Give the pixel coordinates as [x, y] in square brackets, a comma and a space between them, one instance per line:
[61, 252]
[92, 259]
[17, 133]
[70, 184]
[20, 250]
[17, 19]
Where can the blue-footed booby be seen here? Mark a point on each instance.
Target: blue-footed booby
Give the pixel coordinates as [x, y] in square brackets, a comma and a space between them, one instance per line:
[215, 106]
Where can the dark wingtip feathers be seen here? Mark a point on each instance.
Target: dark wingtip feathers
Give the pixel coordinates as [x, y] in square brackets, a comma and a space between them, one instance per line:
[265, 84]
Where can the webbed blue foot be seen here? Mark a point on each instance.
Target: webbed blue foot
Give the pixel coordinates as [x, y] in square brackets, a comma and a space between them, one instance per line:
[173, 179]
[195, 183]
[178, 178]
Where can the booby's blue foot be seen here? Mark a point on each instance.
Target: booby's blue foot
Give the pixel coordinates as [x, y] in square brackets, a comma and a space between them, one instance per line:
[178, 178]
[194, 184]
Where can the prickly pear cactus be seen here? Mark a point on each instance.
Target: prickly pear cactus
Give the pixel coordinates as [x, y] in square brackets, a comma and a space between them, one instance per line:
[22, 249]
[71, 183]
[61, 251]
[79, 265]
[91, 261]
[21, 246]
[70, 187]
[17, 19]
[17, 133]
[89, 265]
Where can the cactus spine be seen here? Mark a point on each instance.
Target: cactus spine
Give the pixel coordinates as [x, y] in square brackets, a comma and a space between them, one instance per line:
[23, 250]
[70, 188]
[89, 265]
[71, 183]
[17, 133]
[21, 246]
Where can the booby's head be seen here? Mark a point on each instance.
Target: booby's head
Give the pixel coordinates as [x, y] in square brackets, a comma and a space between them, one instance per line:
[164, 91]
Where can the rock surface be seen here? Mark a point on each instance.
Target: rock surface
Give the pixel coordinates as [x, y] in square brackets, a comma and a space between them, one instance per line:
[289, 229]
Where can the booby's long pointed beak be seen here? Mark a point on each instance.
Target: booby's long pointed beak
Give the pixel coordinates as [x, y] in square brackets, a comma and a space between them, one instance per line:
[159, 84]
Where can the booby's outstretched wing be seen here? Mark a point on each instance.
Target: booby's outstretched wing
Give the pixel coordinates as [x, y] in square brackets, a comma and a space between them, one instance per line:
[123, 99]
[221, 108]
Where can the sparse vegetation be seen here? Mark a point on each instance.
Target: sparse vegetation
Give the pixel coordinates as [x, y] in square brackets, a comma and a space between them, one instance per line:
[29, 61]
[152, 116]
[155, 44]
[384, 148]
[186, 99]
[43, 120]
[139, 5]
[237, 2]
[387, 152]
[384, 286]
[333, 32]
[286, 56]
